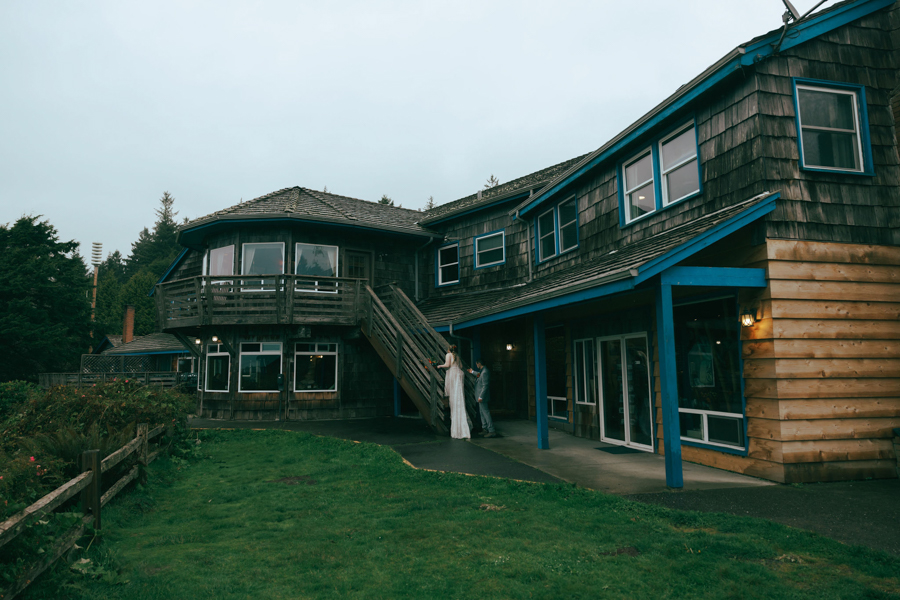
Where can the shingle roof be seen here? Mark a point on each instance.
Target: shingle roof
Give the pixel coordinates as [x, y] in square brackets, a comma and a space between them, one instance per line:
[467, 306]
[534, 181]
[306, 204]
[145, 344]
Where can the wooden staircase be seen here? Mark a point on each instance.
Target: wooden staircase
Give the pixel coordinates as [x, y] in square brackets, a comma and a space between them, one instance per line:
[407, 344]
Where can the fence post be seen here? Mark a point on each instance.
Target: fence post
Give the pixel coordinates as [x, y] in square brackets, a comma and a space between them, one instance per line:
[142, 452]
[90, 497]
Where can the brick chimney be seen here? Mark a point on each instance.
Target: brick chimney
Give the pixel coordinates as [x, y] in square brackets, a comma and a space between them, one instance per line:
[128, 324]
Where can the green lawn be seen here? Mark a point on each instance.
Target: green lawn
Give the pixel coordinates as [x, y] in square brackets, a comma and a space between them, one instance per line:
[356, 521]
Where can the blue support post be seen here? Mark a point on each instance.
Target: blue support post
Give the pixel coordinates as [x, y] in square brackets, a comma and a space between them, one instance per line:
[665, 334]
[396, 397]
[540, 383]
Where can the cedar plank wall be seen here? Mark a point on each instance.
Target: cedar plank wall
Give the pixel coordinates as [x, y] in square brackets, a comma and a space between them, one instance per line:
[823, 206]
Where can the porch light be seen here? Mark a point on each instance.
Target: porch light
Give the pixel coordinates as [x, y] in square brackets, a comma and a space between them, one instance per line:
[215, 338]
[509, 346]
[197, 341]
[748, 318]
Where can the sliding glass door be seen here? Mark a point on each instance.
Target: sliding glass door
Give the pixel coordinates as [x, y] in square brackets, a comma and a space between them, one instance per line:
[626, 416]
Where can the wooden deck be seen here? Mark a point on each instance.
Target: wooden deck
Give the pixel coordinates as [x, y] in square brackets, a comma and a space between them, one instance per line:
[258, 300]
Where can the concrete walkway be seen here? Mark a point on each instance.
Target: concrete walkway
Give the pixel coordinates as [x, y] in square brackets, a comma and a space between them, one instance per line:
[604, 467]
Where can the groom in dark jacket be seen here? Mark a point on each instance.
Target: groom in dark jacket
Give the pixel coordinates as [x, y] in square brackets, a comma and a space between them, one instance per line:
[483, 396]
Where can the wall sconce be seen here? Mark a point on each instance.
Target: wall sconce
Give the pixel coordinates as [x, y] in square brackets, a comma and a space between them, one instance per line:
[749, 317]
[509, 346]
[197, 341]
[215, 339]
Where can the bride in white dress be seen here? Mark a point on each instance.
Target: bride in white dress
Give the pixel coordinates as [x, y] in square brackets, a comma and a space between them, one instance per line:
[454, 388]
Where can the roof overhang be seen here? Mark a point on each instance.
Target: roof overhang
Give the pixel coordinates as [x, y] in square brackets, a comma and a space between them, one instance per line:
[734, 61]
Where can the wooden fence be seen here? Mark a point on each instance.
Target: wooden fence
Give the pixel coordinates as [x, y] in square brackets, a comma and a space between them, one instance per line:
[161, 378]
[89, 484]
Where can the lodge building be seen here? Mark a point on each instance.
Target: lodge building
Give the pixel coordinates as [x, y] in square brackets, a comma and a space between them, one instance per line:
[719, 283]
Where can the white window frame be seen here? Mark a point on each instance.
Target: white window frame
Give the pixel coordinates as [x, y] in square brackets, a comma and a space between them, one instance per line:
[663, 171]
[628, 189]
[261, 352]
[220, 351]
[321, 349]
[330, 287]
[705, 424]
[586, 376]
[541, 236]
[244, 266]
[487, 236]
[440, 265]
[860, 155]
[560, 225]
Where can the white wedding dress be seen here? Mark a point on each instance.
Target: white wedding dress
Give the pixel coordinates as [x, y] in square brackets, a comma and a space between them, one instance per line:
[454, 388]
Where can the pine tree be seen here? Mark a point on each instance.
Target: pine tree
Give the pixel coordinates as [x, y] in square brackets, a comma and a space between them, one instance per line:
[491, 182]
[430, 204]
[386, 200]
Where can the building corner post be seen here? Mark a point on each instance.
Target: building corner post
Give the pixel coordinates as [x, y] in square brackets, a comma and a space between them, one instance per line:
[665, 335]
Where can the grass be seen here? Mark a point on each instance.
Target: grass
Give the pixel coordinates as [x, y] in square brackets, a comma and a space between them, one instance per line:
[355, 521]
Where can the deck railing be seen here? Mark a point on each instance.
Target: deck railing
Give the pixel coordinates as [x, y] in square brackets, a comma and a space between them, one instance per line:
[161, 378]
[258, 299]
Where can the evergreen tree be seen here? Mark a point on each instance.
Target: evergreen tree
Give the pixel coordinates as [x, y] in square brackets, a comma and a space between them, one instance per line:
[110, 308]
[386, 200]
[114, 265]
[491, 182]
[137, 293]
[430, 204]
[45, 309]
[154, 251]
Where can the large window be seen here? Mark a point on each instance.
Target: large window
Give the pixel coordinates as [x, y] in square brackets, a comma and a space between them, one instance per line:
[262, 259]
[315, 261]
[831, 120]
[218, 367]
[585, 372]
[260, 366]
[315, 367]
[490, 250]
[662, 174]
[708, 362]
[219, 261]
[448, 264]
[557, 229]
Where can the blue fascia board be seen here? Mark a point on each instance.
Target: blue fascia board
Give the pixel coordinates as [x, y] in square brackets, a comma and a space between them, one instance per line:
[715, 277]
[751, 54]
[168, 272]
[179, 352]
[705, 239]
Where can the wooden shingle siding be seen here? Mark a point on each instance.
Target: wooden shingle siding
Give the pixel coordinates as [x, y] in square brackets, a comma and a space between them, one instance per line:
[822, 367]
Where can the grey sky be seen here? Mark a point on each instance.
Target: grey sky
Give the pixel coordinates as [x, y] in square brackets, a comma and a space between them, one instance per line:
[105, 105]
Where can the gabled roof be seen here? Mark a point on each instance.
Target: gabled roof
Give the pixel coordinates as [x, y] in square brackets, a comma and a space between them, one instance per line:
[109, 341]
[155, 343]
[745, 55]
[500, 193]
[304, 204]
[618, 271]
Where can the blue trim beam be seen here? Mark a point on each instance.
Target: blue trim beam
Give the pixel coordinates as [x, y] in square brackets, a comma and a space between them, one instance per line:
[540, 383]
[714, 277]
[665, 332]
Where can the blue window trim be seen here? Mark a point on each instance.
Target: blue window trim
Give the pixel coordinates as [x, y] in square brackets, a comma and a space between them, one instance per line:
[558, 251]
[653, 145]
[437, 266]
[502, 233]
[861, 109]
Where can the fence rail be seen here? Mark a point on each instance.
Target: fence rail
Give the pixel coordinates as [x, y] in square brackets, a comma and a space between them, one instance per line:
[88, 483]
[258, 299]
[161, 378]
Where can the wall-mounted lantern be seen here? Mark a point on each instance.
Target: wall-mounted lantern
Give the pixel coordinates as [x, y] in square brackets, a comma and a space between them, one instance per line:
[509, 347]
[749, 317]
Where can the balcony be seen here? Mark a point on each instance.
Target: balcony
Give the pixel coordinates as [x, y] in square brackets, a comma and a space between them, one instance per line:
[259, 300]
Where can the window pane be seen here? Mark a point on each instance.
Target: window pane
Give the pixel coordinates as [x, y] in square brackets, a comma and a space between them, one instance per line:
[725, 430]
[679, 148]
[492, 256]
[249, 347]
[271, 347]
[306, 347]
[642, 201]
[217, 373]
[315, 373]
[640, 412]
[579, 372]
[260, 372]
[316, 260]
[548, 246]
[568, 237]
[263, 259]
[567, 212]
[591, 366]
[691, 425]
[830, 149]
[489, 243]
[826, 109]
[545, 224]
[449, 274]
[613, 391]
[449, 255]
[682, 181]
[221, 261]
[638, 172]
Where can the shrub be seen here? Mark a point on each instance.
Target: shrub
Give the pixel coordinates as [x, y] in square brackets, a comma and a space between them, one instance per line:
[13, 394]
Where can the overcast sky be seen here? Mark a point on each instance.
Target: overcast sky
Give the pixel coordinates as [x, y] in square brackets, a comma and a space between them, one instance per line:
[105, 105]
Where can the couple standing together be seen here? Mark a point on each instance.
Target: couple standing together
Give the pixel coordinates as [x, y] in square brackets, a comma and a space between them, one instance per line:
[454, 386]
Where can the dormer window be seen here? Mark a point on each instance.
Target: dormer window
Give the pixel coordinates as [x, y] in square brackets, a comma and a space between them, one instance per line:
[448, 264]
[833, 127]
[665, 173]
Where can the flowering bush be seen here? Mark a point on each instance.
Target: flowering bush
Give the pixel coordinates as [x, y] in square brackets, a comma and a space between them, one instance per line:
[13, 394]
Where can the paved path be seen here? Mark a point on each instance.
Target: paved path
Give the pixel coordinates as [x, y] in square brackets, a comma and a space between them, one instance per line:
[858, 512]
